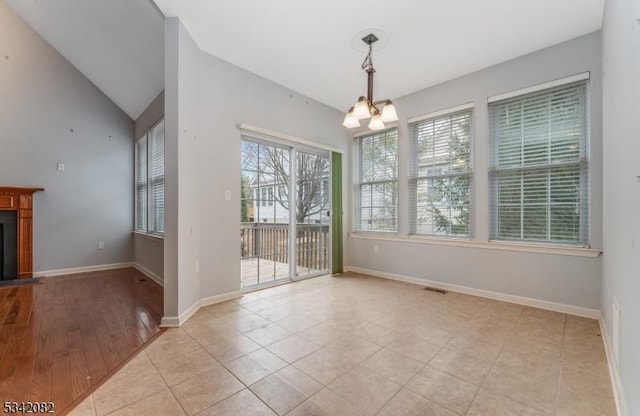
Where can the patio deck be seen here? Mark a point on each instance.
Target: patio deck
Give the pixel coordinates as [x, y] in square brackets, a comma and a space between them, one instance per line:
[269, 271]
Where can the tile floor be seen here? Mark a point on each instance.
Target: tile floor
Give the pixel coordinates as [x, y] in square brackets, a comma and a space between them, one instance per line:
[357, 345]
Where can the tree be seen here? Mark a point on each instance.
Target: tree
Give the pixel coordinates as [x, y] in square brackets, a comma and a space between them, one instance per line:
[245, 195]
[310, 170]
[269, 165]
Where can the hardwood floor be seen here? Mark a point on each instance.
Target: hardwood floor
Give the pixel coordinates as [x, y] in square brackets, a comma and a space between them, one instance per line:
[61, 338]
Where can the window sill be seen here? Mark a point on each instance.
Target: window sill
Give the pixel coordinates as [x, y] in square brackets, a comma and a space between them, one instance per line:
[560, 250]
[147, 236]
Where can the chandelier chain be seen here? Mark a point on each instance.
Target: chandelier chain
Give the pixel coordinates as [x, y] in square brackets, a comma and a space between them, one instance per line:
[368, 61]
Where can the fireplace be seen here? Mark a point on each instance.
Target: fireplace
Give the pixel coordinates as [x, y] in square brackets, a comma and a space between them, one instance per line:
[8, 245]
[16, 232]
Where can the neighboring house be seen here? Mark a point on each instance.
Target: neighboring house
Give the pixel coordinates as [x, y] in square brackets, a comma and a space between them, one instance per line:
[268, 208]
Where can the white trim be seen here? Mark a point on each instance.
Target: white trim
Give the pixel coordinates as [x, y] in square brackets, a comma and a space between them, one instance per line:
[442, 112]
[559, 250]
[505, 297]
[211, 300]
[147, 236]
[169, 322]
[539, 87]
[151, 275]
[83, 269]
[614, 373]
[258, 130]
[176, 321]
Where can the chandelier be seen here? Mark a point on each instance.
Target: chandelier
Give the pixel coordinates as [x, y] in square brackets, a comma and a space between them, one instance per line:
[365, 107]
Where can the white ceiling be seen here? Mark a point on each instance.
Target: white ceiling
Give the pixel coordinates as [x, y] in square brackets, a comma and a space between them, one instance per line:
[307, 45]
[304, 45]
[117, 44]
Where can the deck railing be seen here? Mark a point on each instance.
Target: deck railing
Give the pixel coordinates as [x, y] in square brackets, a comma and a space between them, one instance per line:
[271, 242]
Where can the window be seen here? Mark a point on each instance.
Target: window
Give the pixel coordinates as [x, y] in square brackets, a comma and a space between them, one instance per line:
[440, 181]
[149, 171]
[539, 173]
[375, 182]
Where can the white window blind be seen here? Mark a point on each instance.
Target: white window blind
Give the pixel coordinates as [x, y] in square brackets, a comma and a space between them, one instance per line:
[539, 166]
[375, 190]
[440, 175]
[142, 195]
[149, 181]
[156, 177]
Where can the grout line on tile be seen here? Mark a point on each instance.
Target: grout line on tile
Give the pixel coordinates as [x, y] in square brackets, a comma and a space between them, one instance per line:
[486, 376]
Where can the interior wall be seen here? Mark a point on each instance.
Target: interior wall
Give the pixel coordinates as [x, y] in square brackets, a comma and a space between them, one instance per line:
[182, 210]
[148, 250]
[230, 96]
[621, 199]
[555, 278]
[50, 113]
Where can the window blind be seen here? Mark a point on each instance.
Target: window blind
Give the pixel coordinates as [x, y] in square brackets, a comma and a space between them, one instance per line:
[539, 176]
[375, 191]
[142, 195]
[156, 177]
[440, 175]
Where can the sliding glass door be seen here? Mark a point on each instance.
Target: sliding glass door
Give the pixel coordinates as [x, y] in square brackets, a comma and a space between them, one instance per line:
[312, 214]
[284, 231]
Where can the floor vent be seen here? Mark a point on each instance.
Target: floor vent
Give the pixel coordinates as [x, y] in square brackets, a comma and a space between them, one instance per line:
[433, 289]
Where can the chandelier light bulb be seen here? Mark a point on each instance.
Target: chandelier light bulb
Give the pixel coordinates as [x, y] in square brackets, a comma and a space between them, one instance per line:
[376, 122]
[389, 113]
[361, 109]
[350, 121]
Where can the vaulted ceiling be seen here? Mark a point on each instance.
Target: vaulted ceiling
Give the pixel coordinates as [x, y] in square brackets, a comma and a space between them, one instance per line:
[117, 44]
[309, 47]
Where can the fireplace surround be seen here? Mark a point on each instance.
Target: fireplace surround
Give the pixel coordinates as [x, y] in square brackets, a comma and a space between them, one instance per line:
[17, 202]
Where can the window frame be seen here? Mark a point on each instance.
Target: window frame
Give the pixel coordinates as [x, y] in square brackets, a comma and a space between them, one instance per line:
[150, 227]
[358, 184]
[582, 167]
[415, 177]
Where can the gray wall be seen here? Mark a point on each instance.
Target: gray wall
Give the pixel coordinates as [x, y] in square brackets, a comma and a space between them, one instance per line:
[42, 98]
[230, 96]
[621, 260]
[556, 278]
[148, 251]
[203, 160]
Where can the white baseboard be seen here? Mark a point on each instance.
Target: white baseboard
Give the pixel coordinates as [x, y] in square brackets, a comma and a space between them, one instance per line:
[614, 373]
[211, 300]
[151, 275]
[84, 269]
[176, 321]
[520, 300]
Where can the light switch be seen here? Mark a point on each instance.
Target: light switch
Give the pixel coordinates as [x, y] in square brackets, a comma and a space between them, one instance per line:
[227, 195]
[60, 166]
[100, 245]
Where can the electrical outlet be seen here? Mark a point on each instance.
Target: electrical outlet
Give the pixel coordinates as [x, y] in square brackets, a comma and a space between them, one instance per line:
[100, 245]
[376, 249]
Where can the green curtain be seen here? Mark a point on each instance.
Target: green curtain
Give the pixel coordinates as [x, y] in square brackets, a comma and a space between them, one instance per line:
[336, 213]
